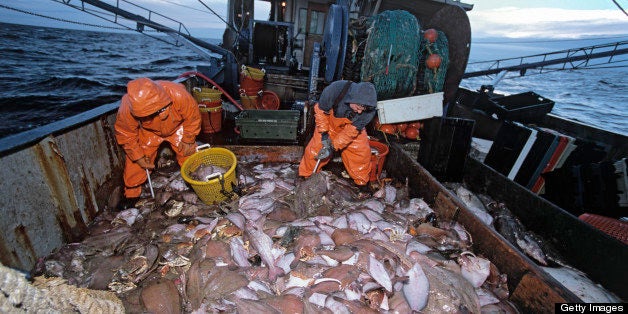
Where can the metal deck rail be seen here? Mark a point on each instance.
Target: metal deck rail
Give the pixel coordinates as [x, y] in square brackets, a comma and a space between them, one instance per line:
[123, 16]
[575, 58]
[129, 20]
[224, 70]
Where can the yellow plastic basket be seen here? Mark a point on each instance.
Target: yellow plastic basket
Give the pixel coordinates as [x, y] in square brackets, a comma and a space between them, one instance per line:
[206, 94]
[254, 73]
[214, 190]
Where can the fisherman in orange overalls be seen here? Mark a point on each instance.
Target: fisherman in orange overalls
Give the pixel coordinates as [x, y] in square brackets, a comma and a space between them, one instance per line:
[342, 112]
[150, 113]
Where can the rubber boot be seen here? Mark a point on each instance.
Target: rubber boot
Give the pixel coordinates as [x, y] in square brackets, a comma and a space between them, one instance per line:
[127, 203]
[364, 192]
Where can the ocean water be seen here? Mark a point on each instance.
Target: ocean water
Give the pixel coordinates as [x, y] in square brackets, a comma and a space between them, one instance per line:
[597, 95]
[49, 74]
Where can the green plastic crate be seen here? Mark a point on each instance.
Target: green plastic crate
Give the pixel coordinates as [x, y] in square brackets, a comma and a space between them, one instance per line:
[268, 124]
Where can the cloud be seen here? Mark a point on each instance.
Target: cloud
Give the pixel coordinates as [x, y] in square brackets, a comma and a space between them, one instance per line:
[516, 22]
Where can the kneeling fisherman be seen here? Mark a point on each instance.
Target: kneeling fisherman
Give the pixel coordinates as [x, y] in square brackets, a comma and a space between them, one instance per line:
[341, 114]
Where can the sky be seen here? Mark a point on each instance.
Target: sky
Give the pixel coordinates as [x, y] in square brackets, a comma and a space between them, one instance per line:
[567, 19]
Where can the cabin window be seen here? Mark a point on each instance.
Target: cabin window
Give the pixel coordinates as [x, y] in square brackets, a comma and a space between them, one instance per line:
[317, 22]
[262, 10]
[302, 20]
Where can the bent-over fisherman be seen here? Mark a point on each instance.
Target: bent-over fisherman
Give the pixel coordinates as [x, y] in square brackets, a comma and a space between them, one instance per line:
[342, 113]
[150, 113]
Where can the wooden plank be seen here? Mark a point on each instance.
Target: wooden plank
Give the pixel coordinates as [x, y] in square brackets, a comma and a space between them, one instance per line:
[532, 295]
[266, 154]
[401, 165]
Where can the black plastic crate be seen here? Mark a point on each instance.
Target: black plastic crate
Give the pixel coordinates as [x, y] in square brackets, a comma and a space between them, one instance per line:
[445, 144]
[528, 107]
[475, 100]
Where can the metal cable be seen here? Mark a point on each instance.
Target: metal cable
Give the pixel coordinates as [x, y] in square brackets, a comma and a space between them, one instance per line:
[226, 23]
[546, 41]
[216, 14]
[619, 6]
[189, 7]
[61, 20]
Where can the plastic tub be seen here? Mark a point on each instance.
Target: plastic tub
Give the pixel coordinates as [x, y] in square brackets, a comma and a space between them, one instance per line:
[251, 80]
[250, 86]
[253, 73]
[270, 100]
[211, 117]
[528, 107]
[378, 157]
[206, 94]
[249, 102]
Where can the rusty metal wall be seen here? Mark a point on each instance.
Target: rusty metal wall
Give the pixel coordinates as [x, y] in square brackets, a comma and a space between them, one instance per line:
[48, 189]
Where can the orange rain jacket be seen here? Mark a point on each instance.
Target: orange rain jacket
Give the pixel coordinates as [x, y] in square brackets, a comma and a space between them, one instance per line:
[346, 130]
[140, 128]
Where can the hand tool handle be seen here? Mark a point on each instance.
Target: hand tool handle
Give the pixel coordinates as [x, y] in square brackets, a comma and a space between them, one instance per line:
[318, 161]
[150, 184]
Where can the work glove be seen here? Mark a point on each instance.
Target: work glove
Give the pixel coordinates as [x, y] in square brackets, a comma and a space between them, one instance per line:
[187, 149]
[145, 163]
[326, 150]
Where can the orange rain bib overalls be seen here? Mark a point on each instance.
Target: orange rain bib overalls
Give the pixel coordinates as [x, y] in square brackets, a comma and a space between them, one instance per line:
[356, 154]
[180, 121]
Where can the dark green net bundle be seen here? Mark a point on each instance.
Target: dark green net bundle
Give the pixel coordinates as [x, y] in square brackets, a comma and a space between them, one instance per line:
[435, 78]
[392, 44]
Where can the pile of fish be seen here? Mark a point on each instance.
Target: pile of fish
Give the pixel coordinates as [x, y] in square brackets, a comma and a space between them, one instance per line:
[284, 245]
[496, 215]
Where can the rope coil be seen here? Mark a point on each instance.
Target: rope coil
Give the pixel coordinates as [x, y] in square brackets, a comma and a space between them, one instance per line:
[51, 295]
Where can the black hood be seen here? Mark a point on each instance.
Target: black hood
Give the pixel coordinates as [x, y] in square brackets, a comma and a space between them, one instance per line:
[363, 94]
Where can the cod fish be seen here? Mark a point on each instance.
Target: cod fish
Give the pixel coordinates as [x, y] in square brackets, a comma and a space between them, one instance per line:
[513, 230]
